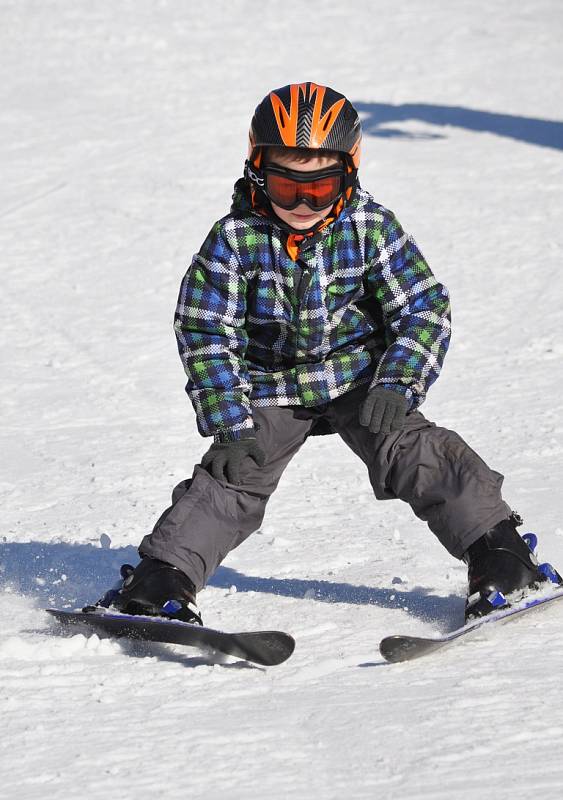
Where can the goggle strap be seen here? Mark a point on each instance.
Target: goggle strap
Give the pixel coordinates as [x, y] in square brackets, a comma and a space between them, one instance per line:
[254, 175]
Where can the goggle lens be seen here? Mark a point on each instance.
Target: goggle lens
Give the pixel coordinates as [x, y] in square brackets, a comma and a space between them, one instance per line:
[318, 193]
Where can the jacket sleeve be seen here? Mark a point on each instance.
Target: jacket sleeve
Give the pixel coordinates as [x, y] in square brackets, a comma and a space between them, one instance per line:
[416, 314]
[212, 340]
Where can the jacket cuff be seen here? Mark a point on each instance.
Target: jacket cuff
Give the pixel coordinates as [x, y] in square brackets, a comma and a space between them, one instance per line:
[225, 435]
[399, 388]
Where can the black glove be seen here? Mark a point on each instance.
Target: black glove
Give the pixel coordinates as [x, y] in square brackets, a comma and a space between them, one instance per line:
[223, 461]
[384, 410]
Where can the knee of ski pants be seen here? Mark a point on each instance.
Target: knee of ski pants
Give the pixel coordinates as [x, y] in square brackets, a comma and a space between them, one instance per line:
[446, 484]
[424, 462]
[244, 503]
[203, 512]
[394, 456]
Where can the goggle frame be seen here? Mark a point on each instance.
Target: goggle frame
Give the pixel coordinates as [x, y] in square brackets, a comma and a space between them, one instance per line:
[260, 178]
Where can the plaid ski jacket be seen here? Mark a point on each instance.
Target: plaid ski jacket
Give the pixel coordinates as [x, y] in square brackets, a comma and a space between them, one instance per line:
[357, 304]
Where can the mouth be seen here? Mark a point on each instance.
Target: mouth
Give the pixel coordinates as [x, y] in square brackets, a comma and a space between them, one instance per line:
[304, 217]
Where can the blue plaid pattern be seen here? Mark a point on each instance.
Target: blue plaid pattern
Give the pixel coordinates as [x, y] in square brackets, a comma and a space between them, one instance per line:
[358, 306]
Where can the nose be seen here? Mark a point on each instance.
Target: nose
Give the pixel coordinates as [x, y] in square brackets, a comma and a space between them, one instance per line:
[303, 210]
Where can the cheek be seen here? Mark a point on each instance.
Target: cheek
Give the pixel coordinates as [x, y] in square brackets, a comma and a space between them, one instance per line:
[282, 213]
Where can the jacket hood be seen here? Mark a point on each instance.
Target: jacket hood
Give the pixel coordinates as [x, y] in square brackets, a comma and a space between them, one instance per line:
[241, 201]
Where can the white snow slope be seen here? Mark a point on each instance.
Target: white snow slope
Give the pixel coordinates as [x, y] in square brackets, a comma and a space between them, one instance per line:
[123, 127]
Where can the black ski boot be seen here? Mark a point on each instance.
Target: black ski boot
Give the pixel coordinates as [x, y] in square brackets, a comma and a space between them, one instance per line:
[500, 563]
[153, 588]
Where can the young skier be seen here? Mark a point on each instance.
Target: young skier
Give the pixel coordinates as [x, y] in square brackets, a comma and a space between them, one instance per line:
[308, 310]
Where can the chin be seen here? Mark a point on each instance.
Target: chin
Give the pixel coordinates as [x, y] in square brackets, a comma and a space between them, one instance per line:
[294, 222]
[304, 226]
[297, 222]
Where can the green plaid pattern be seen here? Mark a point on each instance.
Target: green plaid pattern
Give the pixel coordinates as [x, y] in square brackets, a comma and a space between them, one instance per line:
[360, 305]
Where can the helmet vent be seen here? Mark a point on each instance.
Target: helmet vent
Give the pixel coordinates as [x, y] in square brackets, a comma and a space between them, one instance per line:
[327, 121]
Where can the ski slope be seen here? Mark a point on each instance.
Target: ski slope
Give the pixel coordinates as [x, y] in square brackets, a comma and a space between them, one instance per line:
[123, 128]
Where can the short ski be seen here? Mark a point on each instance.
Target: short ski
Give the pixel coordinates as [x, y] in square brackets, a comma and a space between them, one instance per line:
[261, 647]
[405, 648]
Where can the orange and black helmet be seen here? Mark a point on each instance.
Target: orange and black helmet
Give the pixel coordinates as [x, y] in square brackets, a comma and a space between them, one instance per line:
[309, 116]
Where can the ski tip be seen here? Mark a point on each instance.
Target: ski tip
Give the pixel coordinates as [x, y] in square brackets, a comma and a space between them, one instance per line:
[395, 648]
[406, 648]
[269, 648]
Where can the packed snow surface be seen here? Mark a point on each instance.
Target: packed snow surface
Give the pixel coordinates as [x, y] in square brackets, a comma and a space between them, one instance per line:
[123, 127]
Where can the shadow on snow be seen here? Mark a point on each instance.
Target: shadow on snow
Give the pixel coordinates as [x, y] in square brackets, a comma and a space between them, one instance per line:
[378, 119]
[70, 575]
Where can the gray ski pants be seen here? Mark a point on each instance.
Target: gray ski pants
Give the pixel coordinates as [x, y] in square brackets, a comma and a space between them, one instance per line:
[444, 481]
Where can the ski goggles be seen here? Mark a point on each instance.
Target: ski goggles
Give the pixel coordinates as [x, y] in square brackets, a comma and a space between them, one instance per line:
[289, 188]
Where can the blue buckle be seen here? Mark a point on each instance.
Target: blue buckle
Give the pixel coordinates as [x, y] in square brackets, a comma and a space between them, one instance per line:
[171, 607]
[550, 573]
[496, 599]
[531, 540]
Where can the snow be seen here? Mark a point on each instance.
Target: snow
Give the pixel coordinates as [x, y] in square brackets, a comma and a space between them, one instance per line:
[124, 125]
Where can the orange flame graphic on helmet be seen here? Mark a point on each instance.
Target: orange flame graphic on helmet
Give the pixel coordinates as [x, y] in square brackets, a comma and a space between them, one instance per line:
[321, 124]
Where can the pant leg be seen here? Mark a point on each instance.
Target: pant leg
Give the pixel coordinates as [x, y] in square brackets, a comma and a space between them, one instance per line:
[432, 468]
[209, 518]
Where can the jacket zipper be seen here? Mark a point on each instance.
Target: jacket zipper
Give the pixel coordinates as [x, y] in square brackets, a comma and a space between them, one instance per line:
[303, 285]
[301, 289]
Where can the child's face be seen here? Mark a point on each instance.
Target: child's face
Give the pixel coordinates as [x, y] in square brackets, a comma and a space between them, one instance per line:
[302, 217]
